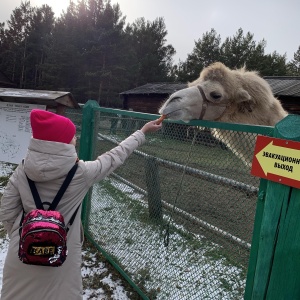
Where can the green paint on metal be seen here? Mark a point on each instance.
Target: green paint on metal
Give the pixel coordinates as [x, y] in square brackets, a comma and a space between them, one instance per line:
[274, 266]
[255, 239]
[274, 206]
[288, 128]
[86, 151]
[285, 275]
[265, 130]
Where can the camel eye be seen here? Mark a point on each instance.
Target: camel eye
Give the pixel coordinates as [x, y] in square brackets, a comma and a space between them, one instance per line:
[215, 95]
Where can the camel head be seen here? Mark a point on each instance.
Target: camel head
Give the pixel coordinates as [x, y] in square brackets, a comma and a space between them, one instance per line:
[222, 94]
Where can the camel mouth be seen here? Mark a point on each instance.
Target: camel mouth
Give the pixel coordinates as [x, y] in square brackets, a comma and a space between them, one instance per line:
[174, 114]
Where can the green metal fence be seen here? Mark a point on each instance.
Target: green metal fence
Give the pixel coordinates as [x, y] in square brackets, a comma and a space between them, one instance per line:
[177, 218]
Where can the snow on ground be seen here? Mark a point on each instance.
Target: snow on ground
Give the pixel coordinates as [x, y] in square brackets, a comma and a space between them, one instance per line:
[187, 271]
[90, 267]
[3, 251]
[5, 170]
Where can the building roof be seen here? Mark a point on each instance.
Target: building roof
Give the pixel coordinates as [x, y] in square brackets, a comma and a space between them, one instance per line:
[156, 88]
[280, 85]
[284, 86]
[50, 98]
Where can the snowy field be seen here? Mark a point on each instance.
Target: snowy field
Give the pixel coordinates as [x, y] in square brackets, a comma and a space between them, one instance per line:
[190, 268]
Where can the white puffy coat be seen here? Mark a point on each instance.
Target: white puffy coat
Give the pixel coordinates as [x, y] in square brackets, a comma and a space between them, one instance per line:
[47, 163]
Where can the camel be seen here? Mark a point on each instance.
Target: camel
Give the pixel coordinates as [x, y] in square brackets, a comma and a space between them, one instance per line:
[225, 95]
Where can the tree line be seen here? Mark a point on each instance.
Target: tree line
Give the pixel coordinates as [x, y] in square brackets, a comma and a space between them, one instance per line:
[91, 52]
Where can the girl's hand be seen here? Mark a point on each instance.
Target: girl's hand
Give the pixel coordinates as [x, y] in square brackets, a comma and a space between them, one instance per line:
[151, 126]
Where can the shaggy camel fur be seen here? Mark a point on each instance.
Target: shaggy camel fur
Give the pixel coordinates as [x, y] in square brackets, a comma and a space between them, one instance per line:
[225, 95]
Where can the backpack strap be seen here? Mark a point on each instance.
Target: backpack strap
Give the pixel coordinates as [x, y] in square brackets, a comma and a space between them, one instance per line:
[35, 194]
[63, 188]
[60, 193]
[72, 218]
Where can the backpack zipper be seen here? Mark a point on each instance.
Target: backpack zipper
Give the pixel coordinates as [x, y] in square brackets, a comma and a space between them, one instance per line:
[59, 223]
[42, 230]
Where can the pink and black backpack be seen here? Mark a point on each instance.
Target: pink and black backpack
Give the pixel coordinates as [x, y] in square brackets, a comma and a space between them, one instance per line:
[43, 233]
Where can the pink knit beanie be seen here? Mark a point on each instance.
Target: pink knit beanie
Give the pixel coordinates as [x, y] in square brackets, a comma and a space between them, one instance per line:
[48, 126]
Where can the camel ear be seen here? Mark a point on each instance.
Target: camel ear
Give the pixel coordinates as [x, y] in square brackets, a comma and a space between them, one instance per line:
[244, 101]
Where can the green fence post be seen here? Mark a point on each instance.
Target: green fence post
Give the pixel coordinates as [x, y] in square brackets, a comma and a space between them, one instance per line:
[86, 150]
[255, 239]
[153, 188]
[277, 271]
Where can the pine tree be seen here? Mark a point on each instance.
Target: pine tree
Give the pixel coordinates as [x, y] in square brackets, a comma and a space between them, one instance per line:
[235, 52]
[153, 58]
[239, 51]
[39, 39]
[206, 51]
[15, 38]
[294, 65]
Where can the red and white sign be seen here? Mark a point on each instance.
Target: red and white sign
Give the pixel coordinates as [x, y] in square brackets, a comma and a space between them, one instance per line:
[277, 160]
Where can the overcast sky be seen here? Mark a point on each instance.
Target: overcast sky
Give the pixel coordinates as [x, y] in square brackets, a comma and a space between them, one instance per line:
[276, 21]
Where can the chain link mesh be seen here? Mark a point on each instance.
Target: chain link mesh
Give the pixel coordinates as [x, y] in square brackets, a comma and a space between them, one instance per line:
[178, 216]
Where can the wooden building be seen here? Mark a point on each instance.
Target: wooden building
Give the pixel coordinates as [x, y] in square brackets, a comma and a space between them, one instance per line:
[287, 90]
[149, 97]
[54, 100]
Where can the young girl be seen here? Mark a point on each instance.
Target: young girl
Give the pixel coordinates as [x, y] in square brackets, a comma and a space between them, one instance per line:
[50, 156]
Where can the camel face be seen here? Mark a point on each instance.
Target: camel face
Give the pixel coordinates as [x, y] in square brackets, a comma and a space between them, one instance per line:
[225, 95]
[183, 105]
[207, 100]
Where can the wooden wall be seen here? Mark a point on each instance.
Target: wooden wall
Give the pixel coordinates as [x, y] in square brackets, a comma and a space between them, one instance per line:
[144, 103]
[290, 104]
